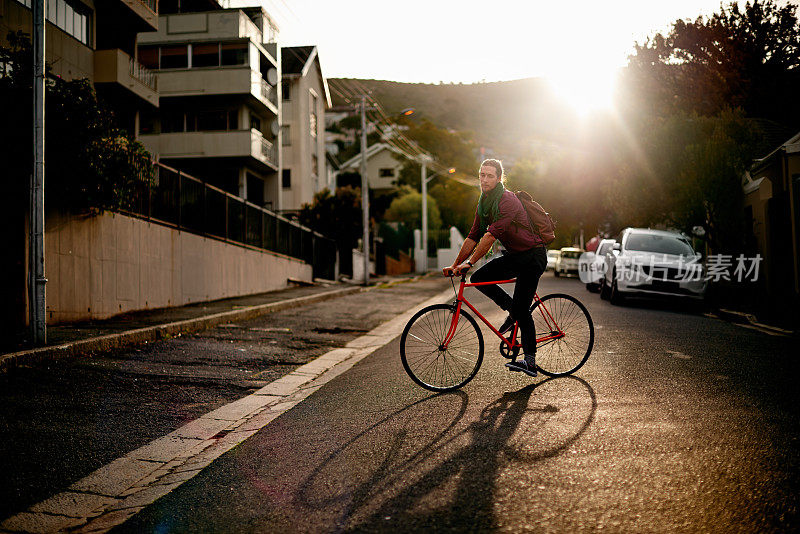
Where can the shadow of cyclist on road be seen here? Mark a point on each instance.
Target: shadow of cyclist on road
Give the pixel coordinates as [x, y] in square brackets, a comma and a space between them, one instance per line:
[448, 481]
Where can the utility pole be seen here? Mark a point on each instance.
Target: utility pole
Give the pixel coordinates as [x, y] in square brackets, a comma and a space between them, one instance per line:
[36, 279]
[364, 188]
[424, 181]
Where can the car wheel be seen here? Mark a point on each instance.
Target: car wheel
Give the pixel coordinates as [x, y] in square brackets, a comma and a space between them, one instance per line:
[616, 297]
[591, 288]
[555, 273]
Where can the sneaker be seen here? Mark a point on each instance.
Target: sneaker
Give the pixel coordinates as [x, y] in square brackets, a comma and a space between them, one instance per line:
[507, 325]
[527, 366]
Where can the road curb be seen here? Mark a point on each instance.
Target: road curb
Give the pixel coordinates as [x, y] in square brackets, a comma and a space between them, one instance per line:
[162, 331]
[749, 319]
[117, 491]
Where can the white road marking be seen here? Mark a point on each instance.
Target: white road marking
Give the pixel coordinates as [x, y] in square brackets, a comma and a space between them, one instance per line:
[119, 490]
[679, 355]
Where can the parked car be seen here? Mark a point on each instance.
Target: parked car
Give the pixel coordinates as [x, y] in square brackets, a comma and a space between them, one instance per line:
[593, 265]
[567, 262]
[552, 256]
[653, 263]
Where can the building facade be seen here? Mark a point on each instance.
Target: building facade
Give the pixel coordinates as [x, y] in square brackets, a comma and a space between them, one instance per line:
[96, 40]
[305, 98]
[220, 98]
[771, 203]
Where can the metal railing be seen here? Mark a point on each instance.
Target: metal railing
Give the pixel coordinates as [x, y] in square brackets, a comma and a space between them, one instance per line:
[139, 72]
[269, 151]
[179, 200]
[268, 92]
[152, 5]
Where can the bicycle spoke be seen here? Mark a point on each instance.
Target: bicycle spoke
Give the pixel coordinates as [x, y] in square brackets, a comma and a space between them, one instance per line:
[450, 367]
[566, 353]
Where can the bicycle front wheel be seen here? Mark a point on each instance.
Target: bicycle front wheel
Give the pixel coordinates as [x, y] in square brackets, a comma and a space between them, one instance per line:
[425, 358]
[567, 323]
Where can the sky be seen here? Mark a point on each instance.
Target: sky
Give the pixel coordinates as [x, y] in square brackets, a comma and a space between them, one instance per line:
[469, 41]
[577, 45]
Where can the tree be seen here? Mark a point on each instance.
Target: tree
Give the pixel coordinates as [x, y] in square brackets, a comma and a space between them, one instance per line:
[690, 168]
[336, 215]
[740, 57]
[91, 163]
[452, 149]
[407, 209]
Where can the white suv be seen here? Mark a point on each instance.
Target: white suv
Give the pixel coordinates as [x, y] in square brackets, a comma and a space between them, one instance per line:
[647, 262]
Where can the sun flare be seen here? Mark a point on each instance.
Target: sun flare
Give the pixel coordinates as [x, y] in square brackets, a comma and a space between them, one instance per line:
[586, 90]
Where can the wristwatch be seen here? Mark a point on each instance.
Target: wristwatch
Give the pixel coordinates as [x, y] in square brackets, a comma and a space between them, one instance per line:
[470, 263]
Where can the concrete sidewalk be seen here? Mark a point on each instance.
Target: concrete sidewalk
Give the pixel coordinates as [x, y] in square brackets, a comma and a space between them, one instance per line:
[151, 325]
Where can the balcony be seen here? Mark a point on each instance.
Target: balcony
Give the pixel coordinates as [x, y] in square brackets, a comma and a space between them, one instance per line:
[269, 93]
[115, 66]
[219, 81]
[147, 10]
[208, 26]
[246, 144]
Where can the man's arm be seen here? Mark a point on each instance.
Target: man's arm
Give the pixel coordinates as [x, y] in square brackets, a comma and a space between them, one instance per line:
[483, 247]
[463, 254]
[460, 265]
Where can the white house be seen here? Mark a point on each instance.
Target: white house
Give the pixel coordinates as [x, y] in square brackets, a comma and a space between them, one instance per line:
[305, 99]
[383, 166]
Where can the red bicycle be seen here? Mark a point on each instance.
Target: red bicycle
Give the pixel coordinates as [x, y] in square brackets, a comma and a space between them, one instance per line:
[442, 346]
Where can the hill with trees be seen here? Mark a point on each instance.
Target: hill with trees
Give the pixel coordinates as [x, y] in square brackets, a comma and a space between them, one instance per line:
[507, 118]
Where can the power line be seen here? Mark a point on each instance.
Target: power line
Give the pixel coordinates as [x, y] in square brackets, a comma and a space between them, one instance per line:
[395, 137]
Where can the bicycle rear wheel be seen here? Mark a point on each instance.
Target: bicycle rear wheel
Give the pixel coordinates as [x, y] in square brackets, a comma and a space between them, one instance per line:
[562, 355]
[425, 359]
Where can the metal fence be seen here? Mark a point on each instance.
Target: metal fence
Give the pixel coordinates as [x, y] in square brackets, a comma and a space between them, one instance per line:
[179, 200]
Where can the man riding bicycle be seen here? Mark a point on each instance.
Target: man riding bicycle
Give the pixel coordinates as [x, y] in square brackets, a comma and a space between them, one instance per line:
[500, 215]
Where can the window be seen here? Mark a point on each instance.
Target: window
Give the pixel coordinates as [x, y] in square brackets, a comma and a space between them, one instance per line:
[286, 179]
[287, 91]
[191, 121]
[386, 173]
[233, 53]
[660, 244]
[314, 165]
[255, 123]
[61, 14]
[255, 189]
[312, 116]
[205, 55]
[211, 120]
[171, 121]
[199, 121]
[286, 135]
[71, 16]
[148, 56]
[147, 123]
[174, 57]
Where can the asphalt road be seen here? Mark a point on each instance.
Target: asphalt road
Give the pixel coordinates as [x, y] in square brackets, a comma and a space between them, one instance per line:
[62, 420]
[677, 423]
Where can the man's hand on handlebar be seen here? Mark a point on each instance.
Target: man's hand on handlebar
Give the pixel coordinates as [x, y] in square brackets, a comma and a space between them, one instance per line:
[454, 270]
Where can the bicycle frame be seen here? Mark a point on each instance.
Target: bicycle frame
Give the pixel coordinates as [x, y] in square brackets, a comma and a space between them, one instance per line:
[555, 330]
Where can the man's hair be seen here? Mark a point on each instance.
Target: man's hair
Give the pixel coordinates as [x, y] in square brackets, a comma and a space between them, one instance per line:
[498, 167]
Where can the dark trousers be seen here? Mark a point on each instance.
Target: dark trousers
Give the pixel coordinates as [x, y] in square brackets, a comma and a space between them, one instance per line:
[527, 267]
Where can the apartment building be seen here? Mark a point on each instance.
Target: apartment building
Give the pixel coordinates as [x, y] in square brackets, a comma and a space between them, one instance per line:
[305, 98]
[219, 114]
[96, 39]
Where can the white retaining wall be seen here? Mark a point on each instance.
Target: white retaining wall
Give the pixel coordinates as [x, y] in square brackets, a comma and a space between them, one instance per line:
[102, 265]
